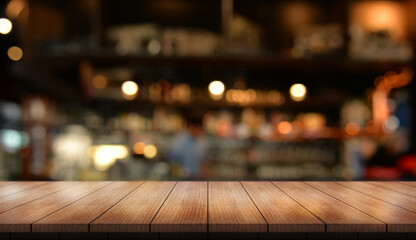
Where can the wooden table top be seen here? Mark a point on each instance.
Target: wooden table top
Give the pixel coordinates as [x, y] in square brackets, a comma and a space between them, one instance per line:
[147, 206]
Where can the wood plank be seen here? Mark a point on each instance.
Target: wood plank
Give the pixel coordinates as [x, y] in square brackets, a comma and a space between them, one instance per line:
[393, 197]
[230, 209]
[135, 212]
[77, 216]
[185, 210]
[397, 219]
[396, 186]
[20, 219]
[282, 213]
[409, 183]
[338, 216]
[10, 189]
[15, 200]
[5, 183]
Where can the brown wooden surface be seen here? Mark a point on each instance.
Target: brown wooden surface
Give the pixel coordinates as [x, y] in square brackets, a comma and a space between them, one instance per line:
[413, 184]
[397, 187]
[135, 212]
[396, 218]
[185, 210]
[5, 183]
[282, 213]
[384, 194]
[20, 198]
[185, 207]
[21, 218]
[230, 209]
[77, 216]
[10, 189]
[338, 216]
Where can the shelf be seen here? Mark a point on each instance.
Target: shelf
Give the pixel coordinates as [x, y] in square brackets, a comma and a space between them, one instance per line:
[229, 61]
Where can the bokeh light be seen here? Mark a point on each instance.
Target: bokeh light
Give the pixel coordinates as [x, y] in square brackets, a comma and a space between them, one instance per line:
[12, 140]
[181, 93]
[298, 92]
[374, 16]
[70, 148]
[150, 151]
[14, 8]
[130, 88]
[138, 147]
[154, 47]
[352, 128]
[216, 88]
[284, 127]
[391, 124]
[5, 26]
[99, 81]
[15, 53]
[104, 156]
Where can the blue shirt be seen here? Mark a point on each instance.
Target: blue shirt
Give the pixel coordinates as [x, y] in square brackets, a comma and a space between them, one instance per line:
[188, 152]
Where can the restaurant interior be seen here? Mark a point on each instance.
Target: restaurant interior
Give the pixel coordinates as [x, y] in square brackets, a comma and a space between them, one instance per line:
[207, 90]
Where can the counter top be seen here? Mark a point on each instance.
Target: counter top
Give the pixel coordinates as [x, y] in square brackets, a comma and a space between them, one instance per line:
[200, 206]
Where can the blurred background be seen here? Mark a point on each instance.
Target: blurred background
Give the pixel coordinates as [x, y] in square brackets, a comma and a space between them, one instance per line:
[218, 90]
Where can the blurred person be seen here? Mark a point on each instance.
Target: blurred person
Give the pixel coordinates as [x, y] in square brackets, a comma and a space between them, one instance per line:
[189, 148]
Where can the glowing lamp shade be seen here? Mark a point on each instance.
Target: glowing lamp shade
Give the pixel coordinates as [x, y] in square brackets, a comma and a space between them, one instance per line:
[298, 92]
[130, 88]
[380, 16]
[216, 88]
[5, 26]
[15, 53]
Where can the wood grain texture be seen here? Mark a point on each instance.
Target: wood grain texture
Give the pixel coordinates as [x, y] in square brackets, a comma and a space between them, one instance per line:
[282, 213]
[5, 183]
[230, 209]
[397, 219]
[338, 216]
[194, 208]
[390, 196]
[15, 200]
[413, 184]
[20, 219]
[185, 210]
[135, 212]
[398, 187]
[77, 216]
[10, 189]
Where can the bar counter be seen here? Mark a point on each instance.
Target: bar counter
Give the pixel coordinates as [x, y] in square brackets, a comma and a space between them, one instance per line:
[208, 207]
